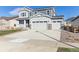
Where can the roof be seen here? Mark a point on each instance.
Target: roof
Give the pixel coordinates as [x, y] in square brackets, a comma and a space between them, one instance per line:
[8, 18]
[44, 9]
[74, 21]
[22, 19]
[40, 9]
[40, 15]
[70, 19]
[58, 17]
[25, 9]
[44, 15]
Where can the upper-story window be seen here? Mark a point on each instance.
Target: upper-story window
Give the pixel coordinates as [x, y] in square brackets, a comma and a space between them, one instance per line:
[59, 21]
[35, 12]
[48, 12]
[23, 14]
[30, 13]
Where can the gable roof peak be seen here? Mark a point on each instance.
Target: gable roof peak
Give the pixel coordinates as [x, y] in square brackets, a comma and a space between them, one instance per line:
[25, 9]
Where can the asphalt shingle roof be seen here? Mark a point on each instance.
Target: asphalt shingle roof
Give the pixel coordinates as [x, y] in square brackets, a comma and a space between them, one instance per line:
[8, 18]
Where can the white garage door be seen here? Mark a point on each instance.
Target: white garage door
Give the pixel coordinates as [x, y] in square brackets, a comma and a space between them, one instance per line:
[39, 26]
[39, 23]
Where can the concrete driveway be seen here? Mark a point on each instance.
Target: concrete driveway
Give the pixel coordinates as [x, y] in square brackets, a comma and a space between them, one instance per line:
[29, 41]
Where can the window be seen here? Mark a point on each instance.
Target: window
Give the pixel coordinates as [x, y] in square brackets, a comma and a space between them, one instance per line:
[35, 12]
[21, 21]
[48, 12]
[30, 13]
[54, 21]
[41, 21]
[23, 14]
[59, 21]
[33, 22]
[45, 21]
[37, 21]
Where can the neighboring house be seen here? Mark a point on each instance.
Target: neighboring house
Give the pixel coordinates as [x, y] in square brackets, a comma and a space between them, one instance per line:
[73, 21]
[69, 21]
[36, 19]
[72, 24]
[6, 22]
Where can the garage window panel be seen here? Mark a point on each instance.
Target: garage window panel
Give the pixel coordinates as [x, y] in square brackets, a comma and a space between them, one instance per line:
[37, 21]
[45, 21]
[41, 21]
[59, 21]
[33, 22]
[54, 21]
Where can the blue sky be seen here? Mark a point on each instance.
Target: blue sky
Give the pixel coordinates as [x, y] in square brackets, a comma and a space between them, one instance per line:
[67, 11]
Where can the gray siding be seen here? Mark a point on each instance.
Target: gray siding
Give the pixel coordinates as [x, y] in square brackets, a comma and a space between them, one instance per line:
[75, 22]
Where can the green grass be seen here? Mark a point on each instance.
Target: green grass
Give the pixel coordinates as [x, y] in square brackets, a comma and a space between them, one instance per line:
[5, 32]
[62, 49]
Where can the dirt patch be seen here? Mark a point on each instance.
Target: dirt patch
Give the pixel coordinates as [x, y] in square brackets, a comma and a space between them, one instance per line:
[69, 37]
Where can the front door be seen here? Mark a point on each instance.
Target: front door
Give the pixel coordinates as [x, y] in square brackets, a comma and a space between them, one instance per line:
[27, 23]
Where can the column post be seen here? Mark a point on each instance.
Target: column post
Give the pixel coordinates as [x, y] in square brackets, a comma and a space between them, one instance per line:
[24, 23]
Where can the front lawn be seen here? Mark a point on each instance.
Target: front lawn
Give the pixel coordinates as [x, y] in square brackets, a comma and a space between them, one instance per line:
[4, 32]
[62, 49]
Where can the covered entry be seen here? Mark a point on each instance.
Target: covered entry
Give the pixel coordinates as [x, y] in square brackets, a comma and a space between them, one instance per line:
[23, 22]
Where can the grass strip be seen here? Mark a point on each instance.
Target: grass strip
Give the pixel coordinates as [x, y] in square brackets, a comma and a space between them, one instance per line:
[63, 49]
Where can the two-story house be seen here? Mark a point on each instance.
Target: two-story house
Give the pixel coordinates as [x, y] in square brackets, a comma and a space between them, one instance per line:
[39, 19]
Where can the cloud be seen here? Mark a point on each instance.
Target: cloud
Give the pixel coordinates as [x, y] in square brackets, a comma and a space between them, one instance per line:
[15, 11]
